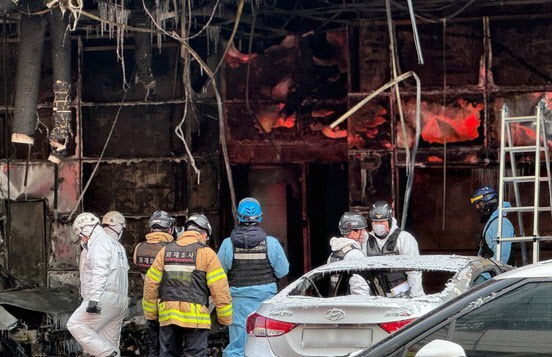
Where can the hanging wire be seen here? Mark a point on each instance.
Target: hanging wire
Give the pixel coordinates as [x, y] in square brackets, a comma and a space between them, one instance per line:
[222, 125]
[234, 30]
[247, 86]
[412, 163]
[444, 117]
[397, 91]
[415, 33]
[6, 115]
[101, 156]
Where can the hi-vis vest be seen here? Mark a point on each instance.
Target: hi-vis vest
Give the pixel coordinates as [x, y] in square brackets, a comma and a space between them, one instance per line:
[389, 248]
[146, 253]
[181, 280]
[251, 267]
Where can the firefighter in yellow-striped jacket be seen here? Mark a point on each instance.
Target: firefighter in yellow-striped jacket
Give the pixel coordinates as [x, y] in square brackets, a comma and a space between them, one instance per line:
[182, 276]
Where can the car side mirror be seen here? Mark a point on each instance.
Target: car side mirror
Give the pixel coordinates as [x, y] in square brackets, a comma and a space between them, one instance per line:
[441, 348]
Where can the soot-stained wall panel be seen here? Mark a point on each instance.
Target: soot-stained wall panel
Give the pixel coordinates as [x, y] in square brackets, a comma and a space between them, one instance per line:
[521, 53]
[370, 177]
[206, 195]
[463, 52]
[140, 132]
[373, 57]
[425, 209]
[204, 128]
[103, 75]
[64, 250]
[300, 67]
[40, 183]
[136, 187]
[27, 241]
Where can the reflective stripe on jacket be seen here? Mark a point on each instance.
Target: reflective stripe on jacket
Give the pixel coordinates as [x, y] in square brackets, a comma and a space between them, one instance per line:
[189, 314]
[144, 255]
[250, 266]
[181, 280]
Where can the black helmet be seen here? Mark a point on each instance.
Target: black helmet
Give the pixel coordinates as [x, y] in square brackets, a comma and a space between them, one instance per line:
[199, 220]
[486, 200]
[380, 211]
[161, 220]
[351, 221]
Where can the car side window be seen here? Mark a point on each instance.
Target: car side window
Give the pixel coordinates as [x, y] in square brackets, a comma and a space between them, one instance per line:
[439, 334]
[516, 323]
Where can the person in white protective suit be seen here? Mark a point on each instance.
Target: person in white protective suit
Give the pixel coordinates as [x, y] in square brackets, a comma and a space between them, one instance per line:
[96, 323]
[352, 226]
[387, 239]
[113, 223]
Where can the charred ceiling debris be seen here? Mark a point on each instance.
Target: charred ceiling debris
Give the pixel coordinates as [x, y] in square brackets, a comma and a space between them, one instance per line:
[140, 105]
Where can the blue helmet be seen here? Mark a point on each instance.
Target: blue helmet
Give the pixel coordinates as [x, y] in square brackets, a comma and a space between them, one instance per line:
[249, 211]
[485, 194]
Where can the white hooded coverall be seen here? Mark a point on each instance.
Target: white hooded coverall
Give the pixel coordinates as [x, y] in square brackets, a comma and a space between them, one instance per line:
[406, 245]
[104, 278]
[357, 284]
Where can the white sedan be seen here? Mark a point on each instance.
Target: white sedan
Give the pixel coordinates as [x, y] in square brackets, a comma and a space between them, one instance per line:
[317, 316]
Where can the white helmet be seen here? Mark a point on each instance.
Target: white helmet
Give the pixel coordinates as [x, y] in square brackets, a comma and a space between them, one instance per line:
[112, 218]
[83, 220]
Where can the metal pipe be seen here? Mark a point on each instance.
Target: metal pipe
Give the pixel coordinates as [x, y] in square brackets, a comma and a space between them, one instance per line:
[28, 77]
[410, 180]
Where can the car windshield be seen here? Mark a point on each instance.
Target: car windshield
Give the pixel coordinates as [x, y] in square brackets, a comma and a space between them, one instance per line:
[327, 285]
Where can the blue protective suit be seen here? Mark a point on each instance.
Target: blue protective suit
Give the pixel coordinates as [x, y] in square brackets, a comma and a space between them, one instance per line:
[491, 229]
[246, 300]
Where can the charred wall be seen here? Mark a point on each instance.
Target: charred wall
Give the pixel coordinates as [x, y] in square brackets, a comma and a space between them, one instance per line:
[472, 67]
[144, 166]
[278, 104]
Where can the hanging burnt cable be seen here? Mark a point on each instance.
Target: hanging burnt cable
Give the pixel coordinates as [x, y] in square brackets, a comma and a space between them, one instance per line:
[397, 91]
[206, 26]
[222, 125]
[234, 30]
[444, 118]
[188, 92]
[247, 76]
[410, 180]
[101, 155]
[415, 33]
[5, 129]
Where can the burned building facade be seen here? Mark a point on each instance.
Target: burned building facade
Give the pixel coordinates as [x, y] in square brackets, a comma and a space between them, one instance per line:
[95, 119]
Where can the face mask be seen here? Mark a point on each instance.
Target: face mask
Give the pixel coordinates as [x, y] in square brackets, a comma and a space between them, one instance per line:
[115, 231]
[380, 230]
[87, 231]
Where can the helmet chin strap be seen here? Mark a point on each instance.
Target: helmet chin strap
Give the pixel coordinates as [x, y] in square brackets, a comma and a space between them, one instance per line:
[81, 236]
[118, 234]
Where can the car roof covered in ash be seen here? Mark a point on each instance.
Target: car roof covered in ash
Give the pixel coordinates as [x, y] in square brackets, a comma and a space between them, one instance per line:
[451, 263]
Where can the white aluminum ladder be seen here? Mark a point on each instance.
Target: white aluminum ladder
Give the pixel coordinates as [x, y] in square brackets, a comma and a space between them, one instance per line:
[541, 144]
